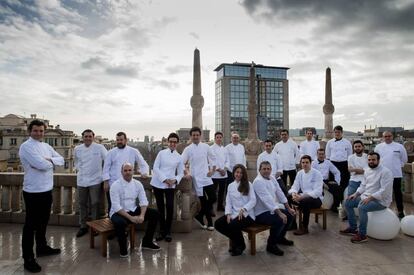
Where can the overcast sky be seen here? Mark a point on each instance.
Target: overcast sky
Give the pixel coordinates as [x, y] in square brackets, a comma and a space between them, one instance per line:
[127, 65]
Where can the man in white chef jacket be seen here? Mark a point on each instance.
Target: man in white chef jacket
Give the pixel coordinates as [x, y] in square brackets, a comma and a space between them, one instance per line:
[201, 160]
[393, 156]
[236, 155]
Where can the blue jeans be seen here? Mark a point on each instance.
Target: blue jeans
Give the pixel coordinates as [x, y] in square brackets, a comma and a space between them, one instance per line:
[363, 213]
[353, 186]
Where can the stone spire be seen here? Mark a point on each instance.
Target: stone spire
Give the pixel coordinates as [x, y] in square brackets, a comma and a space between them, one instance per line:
[328, 108]
[197, 100]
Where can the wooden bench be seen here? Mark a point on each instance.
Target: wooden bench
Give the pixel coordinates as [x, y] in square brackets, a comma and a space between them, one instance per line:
[251, 231]
[104, 227]
[317, 212]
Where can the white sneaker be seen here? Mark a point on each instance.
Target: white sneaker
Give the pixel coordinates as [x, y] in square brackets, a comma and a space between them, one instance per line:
[210, 228]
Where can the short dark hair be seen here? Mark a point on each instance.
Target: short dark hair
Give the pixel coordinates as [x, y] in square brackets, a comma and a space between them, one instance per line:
[173, 135]
[36, 122]
[309, 130]
[121, 134]
[218, 133]
[372, 153]
[268, 140]
[195, 129]
[88, 131]
[284, 131]
[357, 141]
[339, 128]
[321, 150]
[264, 163]
[306, 157]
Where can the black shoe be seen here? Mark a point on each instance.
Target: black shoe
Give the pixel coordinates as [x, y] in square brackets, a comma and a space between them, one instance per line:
[160, 237]
[150, 246]
[285, 241]
[274, 250]
[345, 218]
[401, 215]
[168, 238]
[81, 232]
[200, 221]
[47, 251]
[236, 251]
[335, 210]
[32, 266]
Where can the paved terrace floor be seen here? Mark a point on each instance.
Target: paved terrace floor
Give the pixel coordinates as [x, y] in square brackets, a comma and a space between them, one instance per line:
[204, 252]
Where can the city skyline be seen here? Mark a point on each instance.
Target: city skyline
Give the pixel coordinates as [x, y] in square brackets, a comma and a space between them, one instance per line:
[114, 66]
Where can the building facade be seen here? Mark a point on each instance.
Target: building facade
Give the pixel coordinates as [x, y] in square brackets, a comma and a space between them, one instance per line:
[13, 132]
[232, 98]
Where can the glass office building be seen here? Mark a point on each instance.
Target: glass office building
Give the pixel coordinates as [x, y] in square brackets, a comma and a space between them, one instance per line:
[232, 98]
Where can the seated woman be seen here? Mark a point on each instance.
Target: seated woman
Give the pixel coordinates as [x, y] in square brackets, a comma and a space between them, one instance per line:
[240, 201]
[306, 192]
[168, 171]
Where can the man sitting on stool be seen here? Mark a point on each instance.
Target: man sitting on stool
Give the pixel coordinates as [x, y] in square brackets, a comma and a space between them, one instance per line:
[374, 194]
[272, 208]
[306, 192]
[124, 210]
[326, 168]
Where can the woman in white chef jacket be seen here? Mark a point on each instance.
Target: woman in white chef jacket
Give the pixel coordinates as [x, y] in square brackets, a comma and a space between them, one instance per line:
[239, 212]
[168, 171]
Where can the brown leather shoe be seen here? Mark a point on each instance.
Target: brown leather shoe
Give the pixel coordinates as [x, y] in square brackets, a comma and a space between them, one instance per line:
[301, 231]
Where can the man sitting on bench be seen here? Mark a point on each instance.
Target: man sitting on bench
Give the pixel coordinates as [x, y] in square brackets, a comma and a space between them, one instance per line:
[272, 208]
[124, 193]
[306, 192]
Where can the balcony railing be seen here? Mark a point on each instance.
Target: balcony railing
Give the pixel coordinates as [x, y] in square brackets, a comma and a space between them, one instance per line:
[65, 207]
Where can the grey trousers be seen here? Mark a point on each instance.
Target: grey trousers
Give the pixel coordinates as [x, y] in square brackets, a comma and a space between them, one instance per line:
[88, 196]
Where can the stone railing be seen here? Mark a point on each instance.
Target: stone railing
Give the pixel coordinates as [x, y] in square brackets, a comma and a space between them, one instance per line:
[408, 182]
[65, 207]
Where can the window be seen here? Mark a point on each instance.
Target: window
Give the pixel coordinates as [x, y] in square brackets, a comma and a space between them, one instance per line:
[66, 153]
[13, 141]
[13, 156]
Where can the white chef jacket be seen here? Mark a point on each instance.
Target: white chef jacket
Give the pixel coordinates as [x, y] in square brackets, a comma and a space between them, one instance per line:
[88, 163]
[269, 195]
[38, 172]
[310, 183]
[357, 162]
[117, 157]
[393, 156]
[222, 160]
[274, 159]
[309, 148]
[167, 165]
[236, 154]
[338, 150]
[289, 153]
[325, 167]
[236, 201]
[199, 156]
[378, 183]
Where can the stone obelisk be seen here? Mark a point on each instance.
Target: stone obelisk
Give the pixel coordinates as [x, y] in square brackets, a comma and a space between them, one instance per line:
[328, 108]
[252, 143]
[197, 100]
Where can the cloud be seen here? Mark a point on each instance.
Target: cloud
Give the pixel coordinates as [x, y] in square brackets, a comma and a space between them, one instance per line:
[194, 35]
[177, 69]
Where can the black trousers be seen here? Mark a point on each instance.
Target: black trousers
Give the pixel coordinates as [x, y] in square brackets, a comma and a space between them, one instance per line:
[230, 177]
[233, 230]
[291, 174]
[120, 223]
[207, 201]
[38, 207]
[398, 194]
[335, 190]
[277, 227]
[345, 175]
[220, 186]
[165, 209]
[108, 199]
[306, 204]
[282, 186]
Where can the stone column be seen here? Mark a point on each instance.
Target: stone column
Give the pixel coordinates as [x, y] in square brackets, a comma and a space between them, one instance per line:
[328, 108]
[252, 143]
[197, 100]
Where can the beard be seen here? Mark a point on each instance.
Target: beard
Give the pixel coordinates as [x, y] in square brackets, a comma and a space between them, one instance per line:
[372, 165]
[121, 146]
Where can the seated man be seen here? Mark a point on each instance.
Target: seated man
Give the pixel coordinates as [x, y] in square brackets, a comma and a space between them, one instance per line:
[124, 193]
[272, 208]
[325, 167]
[374, 194]
[306, 192]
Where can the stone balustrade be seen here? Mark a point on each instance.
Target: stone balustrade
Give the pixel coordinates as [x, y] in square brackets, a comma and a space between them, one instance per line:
[408, 182]
[65, 208]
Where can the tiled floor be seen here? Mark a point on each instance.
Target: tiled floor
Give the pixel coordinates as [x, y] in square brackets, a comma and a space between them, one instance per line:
[204, 252]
